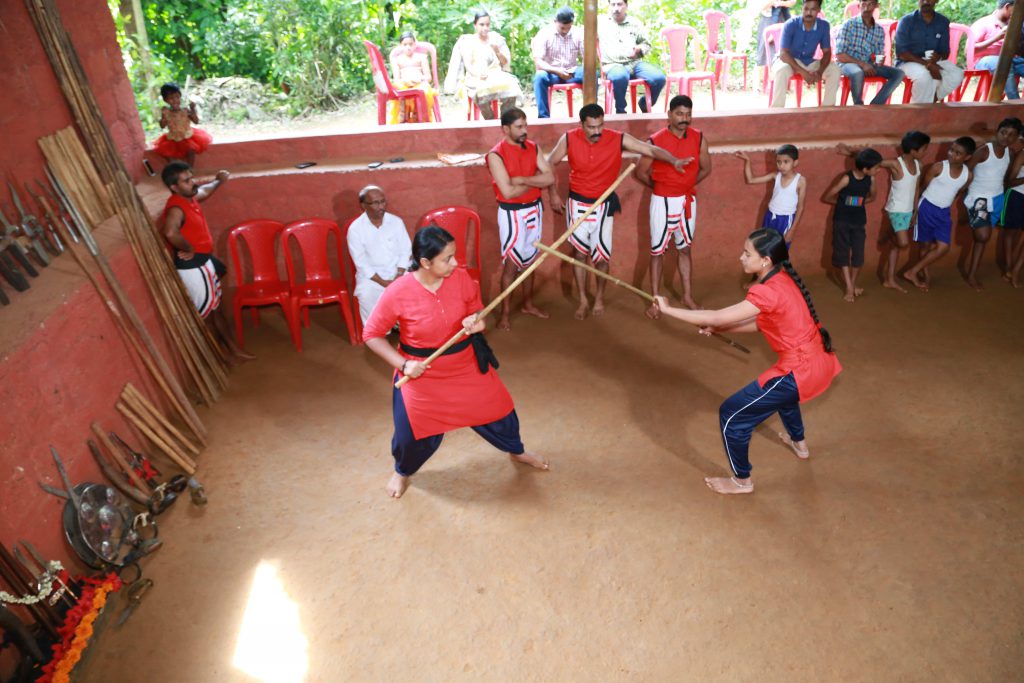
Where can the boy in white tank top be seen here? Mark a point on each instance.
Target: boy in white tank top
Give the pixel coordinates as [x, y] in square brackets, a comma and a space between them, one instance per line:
[934, 228]
[904, 193]
[787, 202]
[984, 198]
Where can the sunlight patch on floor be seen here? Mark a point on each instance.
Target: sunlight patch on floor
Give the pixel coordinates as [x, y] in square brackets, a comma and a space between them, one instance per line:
[271, 646]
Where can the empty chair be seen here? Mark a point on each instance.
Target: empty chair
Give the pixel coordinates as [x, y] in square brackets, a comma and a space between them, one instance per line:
[319, 285]
[677, 38]
[266, 288]
[464, 225]
[719, 42]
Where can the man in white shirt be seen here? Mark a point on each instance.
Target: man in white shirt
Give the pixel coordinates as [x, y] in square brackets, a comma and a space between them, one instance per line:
[379, 246]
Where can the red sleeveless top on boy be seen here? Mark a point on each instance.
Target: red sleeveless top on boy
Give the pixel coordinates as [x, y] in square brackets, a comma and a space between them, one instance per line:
[668, 182]
[786, 323]
[195, 229]
[593, 167]
[520, 161]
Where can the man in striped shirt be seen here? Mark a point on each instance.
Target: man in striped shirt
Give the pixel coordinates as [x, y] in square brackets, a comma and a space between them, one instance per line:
[557, 54]
[860, 51]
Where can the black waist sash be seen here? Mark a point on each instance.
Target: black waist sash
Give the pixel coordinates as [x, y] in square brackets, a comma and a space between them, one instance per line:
[614, 205]
[481, 349]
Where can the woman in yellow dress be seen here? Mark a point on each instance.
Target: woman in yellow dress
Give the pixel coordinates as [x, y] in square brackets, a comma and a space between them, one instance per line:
[480, 63]
[410, 69]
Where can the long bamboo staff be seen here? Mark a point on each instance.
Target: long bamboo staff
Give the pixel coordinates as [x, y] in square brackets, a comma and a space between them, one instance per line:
[526, 273]
[180, 459]
[620, 283]
[132, 394]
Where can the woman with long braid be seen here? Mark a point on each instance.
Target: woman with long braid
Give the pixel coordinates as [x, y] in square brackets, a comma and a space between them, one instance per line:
[780, 306]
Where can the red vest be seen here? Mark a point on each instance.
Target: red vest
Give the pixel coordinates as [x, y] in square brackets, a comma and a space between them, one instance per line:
[195, 230]
[519, 162]
[668, 182]
[593, 167]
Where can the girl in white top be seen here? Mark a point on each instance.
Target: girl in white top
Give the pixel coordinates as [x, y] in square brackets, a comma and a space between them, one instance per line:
[984, 198]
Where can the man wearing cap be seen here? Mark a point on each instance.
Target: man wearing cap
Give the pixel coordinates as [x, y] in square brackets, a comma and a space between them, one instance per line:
[922, 52]
[557, 53]
[989, 32]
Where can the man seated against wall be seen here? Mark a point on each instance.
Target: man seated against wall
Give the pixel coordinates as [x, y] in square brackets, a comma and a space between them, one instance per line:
[922, 52]
[623, 42]
[801, 38]
[558, 55]
[379, 247]
[860, 51]
[989, 32]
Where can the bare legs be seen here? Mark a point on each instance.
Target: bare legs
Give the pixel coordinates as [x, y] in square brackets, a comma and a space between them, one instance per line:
[898, 244]
[509, 273]
[218, 325]
[981, 237]
[929, 255]
[685, 276]
[850, 280]
[581, 284]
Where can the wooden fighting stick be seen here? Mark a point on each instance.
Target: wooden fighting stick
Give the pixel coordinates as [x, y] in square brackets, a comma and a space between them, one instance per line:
[526, 273]
[620, 283]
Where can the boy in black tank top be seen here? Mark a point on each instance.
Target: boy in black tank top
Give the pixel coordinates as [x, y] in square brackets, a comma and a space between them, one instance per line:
[850, 192]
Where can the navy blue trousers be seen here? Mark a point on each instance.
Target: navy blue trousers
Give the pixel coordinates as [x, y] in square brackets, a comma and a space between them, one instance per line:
[410, 453]
[752, 405]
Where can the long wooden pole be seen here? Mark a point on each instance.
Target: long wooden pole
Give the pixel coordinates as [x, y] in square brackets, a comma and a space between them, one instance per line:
[1010, 44]
[626, 285]
[590, 65]
[526, 273]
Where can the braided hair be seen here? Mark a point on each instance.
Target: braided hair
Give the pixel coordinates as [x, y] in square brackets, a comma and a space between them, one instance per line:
[772, 245]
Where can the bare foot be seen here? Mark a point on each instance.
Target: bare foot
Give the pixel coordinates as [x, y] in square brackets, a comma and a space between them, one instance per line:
[397, 485]
[581, 311]
[530, 459]
[974, 284]
[530, 309]
[503, 323]
[799, 448]
[729, 485]
[849, 297]
[598, 308]
[892, 284]
[912, 279]
[691, 304]
[858, 291]
[653, 312]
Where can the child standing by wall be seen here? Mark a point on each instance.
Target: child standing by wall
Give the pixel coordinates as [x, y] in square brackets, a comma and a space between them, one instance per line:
[850, 192]
[1013, 220]
[181, 141]
[988, 168]
[787, 202]
[934, 228]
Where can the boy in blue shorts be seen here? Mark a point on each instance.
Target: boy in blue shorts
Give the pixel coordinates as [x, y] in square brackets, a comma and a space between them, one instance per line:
[787, 202]
[943, 181]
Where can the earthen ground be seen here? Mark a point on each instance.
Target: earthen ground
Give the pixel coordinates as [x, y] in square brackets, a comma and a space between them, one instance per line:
[894, 554]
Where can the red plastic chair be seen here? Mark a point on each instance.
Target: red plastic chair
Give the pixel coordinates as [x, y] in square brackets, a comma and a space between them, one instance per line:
[319, 286]
[431, 52]
[970, 73]
[772, 46]
[677, 38]
[567, 88]
[464, 225]
[350, 280]
[634, 85]
[473, 110]
[719, 41]
[386, 91]
[267, 288]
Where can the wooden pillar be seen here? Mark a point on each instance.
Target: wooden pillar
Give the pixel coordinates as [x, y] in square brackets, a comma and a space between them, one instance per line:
[590, 65]
[1010, 45]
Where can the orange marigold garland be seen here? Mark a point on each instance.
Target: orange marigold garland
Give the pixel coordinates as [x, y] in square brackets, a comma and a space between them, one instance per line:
[77, 628]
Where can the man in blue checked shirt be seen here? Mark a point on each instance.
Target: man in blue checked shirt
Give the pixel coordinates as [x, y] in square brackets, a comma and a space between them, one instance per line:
[801, 38]
[860, 51]
[922, 51]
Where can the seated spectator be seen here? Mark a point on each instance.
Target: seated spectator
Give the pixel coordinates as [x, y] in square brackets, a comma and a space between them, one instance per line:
[623, 42]
[801, 38]
[922, 52]
[379, 246]
[410, 69]
[557, 54]
[768, 13]
[480, 66]
[860, 51]
[989, 32]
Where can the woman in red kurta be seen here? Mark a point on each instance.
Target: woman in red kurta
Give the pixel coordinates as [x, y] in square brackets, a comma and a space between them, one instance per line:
[431, 303]
[780, 307]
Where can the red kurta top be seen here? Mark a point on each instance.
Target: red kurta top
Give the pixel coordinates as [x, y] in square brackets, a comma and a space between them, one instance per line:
[668, 182]
[452, 394]
[519, 162]
[195, 230]
[593, 167]
[791, 332]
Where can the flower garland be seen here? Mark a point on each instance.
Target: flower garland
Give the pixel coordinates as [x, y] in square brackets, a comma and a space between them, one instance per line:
[46, 581]
[77, 628]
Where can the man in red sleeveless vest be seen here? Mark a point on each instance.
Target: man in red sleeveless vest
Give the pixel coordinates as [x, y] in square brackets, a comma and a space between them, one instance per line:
[188, 234]
[519, 172]
[595, 157]
[674, 200]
